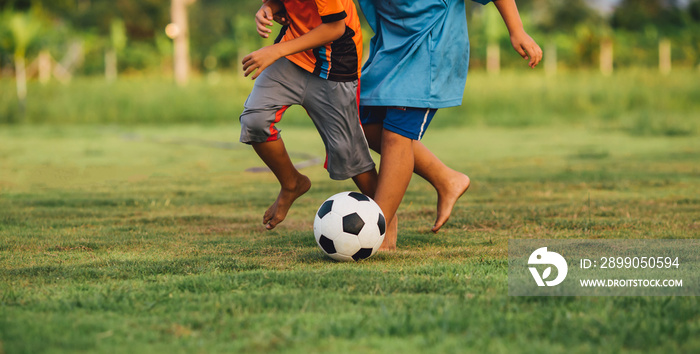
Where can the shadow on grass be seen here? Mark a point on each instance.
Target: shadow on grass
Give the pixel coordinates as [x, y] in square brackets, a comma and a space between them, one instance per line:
[131, 269]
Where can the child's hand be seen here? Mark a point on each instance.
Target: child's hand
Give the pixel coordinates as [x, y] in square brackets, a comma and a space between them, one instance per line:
[281, 18]
[260, 59]
[263, 20]
[267, 14]
[527, 48]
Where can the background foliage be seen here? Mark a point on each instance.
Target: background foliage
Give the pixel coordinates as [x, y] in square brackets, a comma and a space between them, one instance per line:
[129, 222]
[222, 31]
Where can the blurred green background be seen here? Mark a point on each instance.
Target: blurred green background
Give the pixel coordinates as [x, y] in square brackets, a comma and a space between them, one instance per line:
[130, 215]
[221, 31]
[630, 64]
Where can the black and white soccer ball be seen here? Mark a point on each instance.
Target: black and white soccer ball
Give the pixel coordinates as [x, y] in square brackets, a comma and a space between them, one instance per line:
[349, 226]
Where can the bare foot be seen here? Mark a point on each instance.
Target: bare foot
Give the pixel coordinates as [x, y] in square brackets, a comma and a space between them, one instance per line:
[278, 210]
[389, 243]
[447, 198]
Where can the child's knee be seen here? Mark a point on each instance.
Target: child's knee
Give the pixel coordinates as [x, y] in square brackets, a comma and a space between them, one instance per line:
[255, 127]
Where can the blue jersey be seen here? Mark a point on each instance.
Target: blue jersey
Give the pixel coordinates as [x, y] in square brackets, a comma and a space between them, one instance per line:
[419, 54]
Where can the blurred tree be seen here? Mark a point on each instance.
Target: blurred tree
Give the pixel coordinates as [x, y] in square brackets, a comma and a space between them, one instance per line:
[24, 29]
[494, 31]
[694, 11]
[19, 5]
[565, 16]
[636, 15]
[118, 42]
[179, 32]
[223, 30]
[226, 31]
[144, 18]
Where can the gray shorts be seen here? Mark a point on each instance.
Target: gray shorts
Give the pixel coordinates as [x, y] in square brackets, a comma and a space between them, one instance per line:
[331, 105]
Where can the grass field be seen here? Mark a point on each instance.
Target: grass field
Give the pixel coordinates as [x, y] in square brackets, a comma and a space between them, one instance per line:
[148, 239]
[639, 102]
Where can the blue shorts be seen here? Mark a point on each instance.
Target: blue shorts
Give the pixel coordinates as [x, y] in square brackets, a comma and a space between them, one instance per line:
[406, 121]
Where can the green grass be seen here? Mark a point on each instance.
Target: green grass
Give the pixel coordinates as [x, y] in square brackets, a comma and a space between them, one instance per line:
[638, 102]
[148, 239]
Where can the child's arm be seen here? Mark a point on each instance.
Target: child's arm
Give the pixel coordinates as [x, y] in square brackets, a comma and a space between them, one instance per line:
[264, 57]
[269, 11]
[521, 41]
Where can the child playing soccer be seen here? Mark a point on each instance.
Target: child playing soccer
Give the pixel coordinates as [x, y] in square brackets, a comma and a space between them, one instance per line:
[314, 63]
[417, 64]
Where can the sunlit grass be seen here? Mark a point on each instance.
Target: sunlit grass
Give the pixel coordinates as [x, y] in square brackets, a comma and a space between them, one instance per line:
[148, 239]
[638, 102]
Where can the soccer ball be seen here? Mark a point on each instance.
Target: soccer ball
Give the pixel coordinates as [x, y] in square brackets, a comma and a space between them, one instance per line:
[349, 226]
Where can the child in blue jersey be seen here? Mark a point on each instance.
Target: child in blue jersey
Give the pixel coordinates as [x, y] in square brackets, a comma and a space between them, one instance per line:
[418, 63]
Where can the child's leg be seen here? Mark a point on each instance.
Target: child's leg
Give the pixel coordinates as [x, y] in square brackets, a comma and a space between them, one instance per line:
[373, 134]
[449, 184]
[293, 184]
[333, 109]
[278, 87]
[396, 169]
[367, 183]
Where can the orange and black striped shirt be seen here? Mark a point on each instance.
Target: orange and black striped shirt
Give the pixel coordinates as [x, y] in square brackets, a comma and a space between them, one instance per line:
[339, 60]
